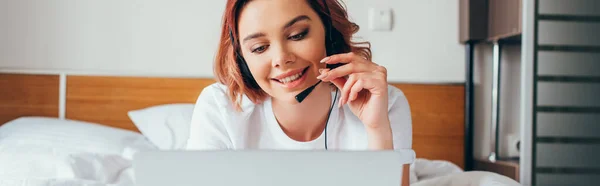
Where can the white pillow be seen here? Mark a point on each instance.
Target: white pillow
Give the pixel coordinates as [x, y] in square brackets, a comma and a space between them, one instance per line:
[41, 147]
[64, 136]
[166, 126]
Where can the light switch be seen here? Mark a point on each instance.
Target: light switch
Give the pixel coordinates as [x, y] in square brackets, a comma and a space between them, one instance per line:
[380, 19]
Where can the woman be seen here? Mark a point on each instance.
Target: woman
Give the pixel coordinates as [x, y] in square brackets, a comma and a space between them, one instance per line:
[271, 51]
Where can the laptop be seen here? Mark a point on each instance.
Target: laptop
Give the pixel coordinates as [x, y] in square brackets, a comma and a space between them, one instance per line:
[270, 168]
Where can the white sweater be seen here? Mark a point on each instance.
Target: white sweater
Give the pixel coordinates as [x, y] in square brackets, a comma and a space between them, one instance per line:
[217, 125]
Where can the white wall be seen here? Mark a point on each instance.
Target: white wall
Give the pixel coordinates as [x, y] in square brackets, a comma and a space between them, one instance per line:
[179, 37]
[423, 46]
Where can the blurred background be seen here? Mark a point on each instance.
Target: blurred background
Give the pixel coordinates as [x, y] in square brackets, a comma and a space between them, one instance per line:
[153, 37]
[517, 80]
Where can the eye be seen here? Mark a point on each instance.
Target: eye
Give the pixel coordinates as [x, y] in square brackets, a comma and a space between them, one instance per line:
[299, 36]
[259, 49]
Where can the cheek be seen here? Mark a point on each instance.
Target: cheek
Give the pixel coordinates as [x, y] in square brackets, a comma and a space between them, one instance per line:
[260, 69]
[312, 50]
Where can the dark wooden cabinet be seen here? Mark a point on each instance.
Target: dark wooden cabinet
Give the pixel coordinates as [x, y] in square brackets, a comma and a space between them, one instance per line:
[473, 19]
[497, 22]
[504, 19]
[508, 168]
[489, 20]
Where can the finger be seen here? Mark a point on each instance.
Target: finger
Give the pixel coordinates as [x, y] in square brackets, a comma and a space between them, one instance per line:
[339, 82]
[346, 89]
[323, 73]
[346, 70]
[340, 58]
[382, 70]
[375, 83]
[358, 86]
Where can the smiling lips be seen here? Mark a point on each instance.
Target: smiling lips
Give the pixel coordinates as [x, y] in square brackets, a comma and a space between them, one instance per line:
[291, 79]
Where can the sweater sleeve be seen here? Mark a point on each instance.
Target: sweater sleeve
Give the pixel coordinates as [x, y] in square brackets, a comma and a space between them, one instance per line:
[400, 118]
[207, 127]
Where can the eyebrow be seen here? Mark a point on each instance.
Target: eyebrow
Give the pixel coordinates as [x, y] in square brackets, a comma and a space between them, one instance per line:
[293, 21]
[287, 25]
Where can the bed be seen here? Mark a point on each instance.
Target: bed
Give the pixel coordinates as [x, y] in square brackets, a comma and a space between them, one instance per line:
[83, 130]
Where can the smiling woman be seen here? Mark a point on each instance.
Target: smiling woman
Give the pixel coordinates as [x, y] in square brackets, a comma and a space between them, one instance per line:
[272, 51]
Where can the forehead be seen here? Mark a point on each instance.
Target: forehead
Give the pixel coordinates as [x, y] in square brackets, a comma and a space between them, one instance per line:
[260, 15]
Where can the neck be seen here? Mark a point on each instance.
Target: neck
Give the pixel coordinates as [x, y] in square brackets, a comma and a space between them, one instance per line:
[294, 120]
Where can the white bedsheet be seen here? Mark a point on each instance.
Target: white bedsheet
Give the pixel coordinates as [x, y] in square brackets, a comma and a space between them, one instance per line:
[47, 152]
[75, 170]
[426, 172]
[469, 178]
[110, 170]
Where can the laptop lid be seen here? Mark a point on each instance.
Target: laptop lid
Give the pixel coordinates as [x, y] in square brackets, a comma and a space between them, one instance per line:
[266, 168]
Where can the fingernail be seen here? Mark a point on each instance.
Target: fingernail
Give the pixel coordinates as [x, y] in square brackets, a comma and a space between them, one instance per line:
[321, 76]
[324, 59]
[323, 73]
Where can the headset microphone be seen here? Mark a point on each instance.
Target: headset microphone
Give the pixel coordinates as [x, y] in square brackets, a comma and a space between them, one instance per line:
[300, 97]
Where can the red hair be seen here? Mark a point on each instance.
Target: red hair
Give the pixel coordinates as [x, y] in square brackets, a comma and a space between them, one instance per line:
[227, 69]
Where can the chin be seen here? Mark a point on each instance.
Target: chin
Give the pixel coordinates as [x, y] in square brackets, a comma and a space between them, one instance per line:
[287, 97]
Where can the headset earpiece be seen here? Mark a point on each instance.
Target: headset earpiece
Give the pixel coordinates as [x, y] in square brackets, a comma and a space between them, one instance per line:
[332, 35]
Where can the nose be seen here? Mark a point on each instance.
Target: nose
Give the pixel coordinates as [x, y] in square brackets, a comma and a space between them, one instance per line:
[282, 57]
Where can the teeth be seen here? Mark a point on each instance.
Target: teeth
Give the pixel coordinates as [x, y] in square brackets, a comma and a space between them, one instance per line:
[290, 78]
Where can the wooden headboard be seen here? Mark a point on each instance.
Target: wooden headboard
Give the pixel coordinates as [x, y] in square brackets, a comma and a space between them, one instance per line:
[437, 110]
[110, 98]
[438, 121]
[28, 95]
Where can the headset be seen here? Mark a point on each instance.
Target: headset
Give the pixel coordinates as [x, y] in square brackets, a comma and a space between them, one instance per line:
[332, 34]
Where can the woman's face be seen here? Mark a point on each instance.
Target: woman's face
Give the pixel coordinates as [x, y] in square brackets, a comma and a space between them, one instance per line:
[282, 42]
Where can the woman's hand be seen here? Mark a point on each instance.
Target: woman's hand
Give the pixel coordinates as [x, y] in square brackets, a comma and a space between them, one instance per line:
[363, 86]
